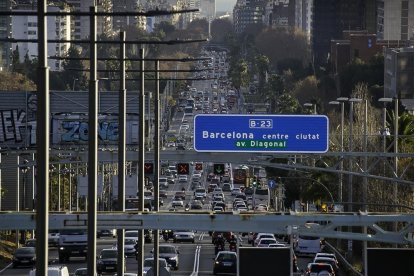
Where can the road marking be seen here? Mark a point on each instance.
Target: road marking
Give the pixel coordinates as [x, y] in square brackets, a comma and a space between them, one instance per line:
[196, 261]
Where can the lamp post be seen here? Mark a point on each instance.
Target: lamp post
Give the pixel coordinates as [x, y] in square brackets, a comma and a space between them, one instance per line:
[350, 190]
[311, 105]
[341, 101]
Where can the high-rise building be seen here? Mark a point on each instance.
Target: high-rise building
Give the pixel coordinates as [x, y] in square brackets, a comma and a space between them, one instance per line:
[399, 75]
[121, 22]
[395, 19]
[248, 12]
[5, 32]
[330, 18]
[302, 15]
[58, 28]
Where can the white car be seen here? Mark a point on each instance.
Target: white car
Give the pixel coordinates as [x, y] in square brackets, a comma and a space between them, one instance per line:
[184, 236]
[129, 247]
[263, 235]
[264, 242]
[182, 178]
[177, 203]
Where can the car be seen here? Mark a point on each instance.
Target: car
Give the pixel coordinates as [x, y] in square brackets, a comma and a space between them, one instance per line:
[315, 269]
[200, 198]
[200, 192]
[131, 234]
[277, 245]
[248, 191]
[83, 271]
[127, 274]
[163, 182]
[218, 209]
[177, 203]
[170, 254]
[211, 187]
[149, 263]
[326, 255]
[184, 236]
[235, 191]
[225, 262]
[264, 242]
[129, 247]
[196, 205]
[30, 243]
[163, 193]
[180, 194]
[24, 256]
[182, 178]
[330, 261]
[195, 184]
[227, 187]
[217, 190]
[107, 260]
[53, 237]
[104, 233]
[219, 204]
[261, 236]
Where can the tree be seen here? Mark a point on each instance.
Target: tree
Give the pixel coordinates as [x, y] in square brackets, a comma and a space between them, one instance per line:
[221, 29]
[72, 75]
[239, 74]
[262, 65]
[307, 89]
[16, 60]
[283, 44]
[288, 104]
[15, 82]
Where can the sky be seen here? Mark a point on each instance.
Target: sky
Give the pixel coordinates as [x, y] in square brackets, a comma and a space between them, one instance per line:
[225, 5]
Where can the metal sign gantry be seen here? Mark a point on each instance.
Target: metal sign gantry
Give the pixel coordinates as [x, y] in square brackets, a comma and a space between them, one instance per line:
[330, 225]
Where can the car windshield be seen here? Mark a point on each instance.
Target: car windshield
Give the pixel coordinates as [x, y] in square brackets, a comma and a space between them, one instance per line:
[150, 263]
[226, 257]
[25, 250]
[267, 241]
[131, 234]
[167, 249]
[129, 242]
[109, 254]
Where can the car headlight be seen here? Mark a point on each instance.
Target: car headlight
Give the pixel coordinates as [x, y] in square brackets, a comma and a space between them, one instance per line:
[173, 258]
[34, 259]
[100, 262]
[61, 248]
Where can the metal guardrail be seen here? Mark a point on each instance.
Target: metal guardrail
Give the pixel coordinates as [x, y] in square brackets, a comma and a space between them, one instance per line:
[343, 259]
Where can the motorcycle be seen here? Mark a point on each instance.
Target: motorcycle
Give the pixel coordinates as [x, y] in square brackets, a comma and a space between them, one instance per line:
[233, 246]
[167, 234]
[219, 247]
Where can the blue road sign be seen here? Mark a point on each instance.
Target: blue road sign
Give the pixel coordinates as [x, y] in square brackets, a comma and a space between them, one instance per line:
[261, 133]
[271, 184]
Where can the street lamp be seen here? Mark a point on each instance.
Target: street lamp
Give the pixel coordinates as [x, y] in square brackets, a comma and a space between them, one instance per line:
[311, 105]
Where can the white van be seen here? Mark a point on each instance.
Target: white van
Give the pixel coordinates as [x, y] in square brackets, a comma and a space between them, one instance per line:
[53, 271]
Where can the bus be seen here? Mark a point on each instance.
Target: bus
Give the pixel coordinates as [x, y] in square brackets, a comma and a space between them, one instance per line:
[307, 245]
[261, 196]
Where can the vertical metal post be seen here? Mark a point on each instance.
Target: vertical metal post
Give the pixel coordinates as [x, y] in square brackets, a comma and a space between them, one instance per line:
[350, 198]
[70, 187]
[141, 160]
[341, 164]
[365, 183]
[395, 187]
[42, 142]
[92, 146]
[120, 233]
[156, 267]
[59, 191]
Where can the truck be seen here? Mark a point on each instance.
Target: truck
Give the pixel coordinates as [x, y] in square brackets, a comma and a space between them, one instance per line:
[72, 243]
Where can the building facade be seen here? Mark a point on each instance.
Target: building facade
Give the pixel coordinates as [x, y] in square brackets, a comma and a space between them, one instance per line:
[399, 75]
[395, 19]
[58, 28]
[248, 12]
[5, 32]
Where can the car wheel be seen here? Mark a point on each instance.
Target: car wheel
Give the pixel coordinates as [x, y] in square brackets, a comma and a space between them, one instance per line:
[193, 241]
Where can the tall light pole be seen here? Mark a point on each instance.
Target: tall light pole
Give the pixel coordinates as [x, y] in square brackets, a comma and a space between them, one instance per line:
[341, 101]
[350, 190]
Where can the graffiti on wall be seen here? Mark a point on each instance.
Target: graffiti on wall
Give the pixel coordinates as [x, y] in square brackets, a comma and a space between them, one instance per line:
[16, 128]
[77, 131]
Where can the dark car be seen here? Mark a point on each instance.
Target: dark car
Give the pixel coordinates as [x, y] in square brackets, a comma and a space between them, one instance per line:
[225, 262]
[104, 233]
[196, 205]
[163, 193]
[107, 261]
[219, 204]
[211, 187]
[24, 256]
[30, 243]
[248, 191]
[170, 254]
[315, 268]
